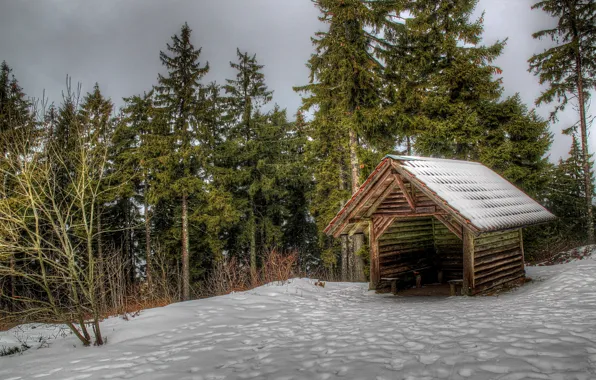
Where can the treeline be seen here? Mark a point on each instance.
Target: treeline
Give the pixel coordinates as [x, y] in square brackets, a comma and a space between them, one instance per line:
[155, 198]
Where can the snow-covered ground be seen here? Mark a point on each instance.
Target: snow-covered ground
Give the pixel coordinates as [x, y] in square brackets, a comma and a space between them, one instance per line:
[545, 330]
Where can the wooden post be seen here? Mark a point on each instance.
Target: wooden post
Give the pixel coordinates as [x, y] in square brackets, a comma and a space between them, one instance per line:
[521, 248]
[375, 271]
[394, 286]
[468, 280]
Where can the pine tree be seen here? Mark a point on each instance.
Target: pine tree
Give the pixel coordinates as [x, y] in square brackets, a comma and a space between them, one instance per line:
[346, 93]
[567, 191]
[458, 77]
[14, 107]
[568, 69]
[299, 230]
[515, 143]
[177, 92]
[246, 94]
[130, 156]
[16, 124]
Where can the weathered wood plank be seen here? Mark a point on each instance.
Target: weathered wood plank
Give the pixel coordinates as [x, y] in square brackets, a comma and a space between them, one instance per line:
[500, 274]
[360, 203]
[396, 244]
[450, 226]
[404, 190]
[497, 256]
[495, 266]
[499, 282]
[498, 244]
[468, 261]
[383, 227]
[381, 198]
[491, 251]
[375, 272]
[494, 237]
[523, 254]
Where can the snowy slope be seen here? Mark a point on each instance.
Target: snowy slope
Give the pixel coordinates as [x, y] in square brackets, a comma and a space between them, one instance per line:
[546, 330]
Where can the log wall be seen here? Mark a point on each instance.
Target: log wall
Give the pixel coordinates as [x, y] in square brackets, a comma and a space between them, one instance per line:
[449, 251]
[406, 245]
[498, 259]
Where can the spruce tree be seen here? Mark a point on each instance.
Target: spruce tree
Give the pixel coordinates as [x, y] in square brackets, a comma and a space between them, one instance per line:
[130, 156]
[246, 94]
[458, 81]
[568, 69]
[346, 94]
[16, 124]
[177, 92]
[514, 143]
[567, 192]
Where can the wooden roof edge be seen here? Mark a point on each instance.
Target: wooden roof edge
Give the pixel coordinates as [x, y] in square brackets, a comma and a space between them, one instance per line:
[517, 227]
[353, 201]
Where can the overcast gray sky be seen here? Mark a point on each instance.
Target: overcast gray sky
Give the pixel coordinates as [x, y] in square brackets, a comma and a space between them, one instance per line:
[116, 43]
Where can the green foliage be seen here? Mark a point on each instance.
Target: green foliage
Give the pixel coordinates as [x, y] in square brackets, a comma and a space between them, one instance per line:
[345, 94]
[458, 77]
[567, 192]
[574, 54]
[262, 165]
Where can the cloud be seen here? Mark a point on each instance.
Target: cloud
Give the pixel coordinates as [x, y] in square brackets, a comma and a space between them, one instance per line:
[117, 43]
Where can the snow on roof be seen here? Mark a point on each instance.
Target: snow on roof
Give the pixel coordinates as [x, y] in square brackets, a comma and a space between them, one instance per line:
[479, 194]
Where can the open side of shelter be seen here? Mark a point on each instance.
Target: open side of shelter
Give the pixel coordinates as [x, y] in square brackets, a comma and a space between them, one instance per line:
[440, 220]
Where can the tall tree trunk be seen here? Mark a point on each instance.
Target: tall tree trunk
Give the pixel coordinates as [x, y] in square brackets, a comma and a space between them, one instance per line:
[345, 252]
[585, 153]
[185, 258]
[100, 267]
[127, 246]
[252, 225]
[343, 238]
[147, 236]
[356, 269]
[354, 165]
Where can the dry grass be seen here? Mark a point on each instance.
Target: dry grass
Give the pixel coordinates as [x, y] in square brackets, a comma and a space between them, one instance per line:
[227, 276]
[235, 276]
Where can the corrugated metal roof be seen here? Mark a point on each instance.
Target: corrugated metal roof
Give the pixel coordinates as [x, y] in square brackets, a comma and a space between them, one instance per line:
[479, 194]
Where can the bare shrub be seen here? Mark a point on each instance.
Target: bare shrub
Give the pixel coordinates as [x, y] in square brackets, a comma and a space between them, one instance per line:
[232, 275]
[47, 234]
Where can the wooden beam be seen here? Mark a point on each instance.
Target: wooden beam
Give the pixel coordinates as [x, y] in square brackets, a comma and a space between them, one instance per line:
[375, 269]
[468, 287]
[356, 229]
[450, 227]
[383, 226]
[521, 247]
[409, 215]
[381, 198]
[404, 190]
[352, 209]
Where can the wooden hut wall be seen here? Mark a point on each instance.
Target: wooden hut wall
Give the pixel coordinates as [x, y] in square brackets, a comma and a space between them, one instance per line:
[498, 259]
[406, 245]
[449, 250]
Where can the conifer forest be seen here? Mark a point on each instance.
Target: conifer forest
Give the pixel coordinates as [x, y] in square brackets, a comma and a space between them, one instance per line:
[195, 188]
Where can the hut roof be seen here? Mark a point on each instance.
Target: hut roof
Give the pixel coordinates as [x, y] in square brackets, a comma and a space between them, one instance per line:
[484, 199]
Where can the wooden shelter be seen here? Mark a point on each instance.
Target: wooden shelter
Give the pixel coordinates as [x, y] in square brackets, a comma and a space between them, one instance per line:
[444, 219]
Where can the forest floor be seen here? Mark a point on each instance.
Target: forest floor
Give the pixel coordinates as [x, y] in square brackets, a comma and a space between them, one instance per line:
[544, 330]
